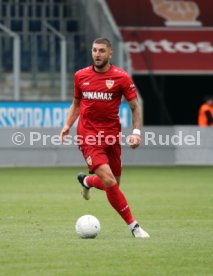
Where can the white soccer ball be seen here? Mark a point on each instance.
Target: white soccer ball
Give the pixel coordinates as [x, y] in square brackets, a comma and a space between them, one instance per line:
[87, 227]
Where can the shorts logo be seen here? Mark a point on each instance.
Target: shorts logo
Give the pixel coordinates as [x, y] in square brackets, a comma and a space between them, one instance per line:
[89, 160]
[109, 83]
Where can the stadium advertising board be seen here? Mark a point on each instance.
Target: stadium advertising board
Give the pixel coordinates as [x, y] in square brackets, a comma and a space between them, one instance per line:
[170, 50]
[44, 114]
[162, 12]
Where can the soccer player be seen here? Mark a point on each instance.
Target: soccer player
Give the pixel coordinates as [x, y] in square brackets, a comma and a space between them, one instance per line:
[98, 90]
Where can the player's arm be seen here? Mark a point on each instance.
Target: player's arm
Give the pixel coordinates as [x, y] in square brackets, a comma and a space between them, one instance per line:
[136, 114]
[135, 138]
[71, 118]
[130, 93]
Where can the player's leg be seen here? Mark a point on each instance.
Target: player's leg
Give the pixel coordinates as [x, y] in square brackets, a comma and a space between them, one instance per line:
[114, 156]
[114, 194]
[97, 161]
[94, 181]
[118, 200]
[94, 156]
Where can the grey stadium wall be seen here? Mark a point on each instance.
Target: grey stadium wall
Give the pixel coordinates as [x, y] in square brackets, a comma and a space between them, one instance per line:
[178, 145]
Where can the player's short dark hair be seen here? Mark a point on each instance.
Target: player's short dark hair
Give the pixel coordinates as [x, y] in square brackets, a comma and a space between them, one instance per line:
[103, 40]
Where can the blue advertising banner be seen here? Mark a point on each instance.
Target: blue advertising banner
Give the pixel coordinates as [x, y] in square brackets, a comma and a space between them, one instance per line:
[44, 114]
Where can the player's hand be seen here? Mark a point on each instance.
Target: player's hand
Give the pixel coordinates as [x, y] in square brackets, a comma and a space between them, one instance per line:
[134, 141]
[176, 10]
[64, 132]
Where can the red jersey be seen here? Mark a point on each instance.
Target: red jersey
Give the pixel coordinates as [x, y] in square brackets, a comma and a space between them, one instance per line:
[100, 95]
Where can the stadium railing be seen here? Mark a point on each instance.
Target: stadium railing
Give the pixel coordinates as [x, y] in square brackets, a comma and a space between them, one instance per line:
[40, 55]
[98, 21]
[79, 21]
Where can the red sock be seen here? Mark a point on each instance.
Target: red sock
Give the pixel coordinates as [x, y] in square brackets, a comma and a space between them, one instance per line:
[119, 203]
[94, 181]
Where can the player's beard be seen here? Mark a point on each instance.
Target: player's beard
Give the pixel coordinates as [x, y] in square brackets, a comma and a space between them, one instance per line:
[101, 65]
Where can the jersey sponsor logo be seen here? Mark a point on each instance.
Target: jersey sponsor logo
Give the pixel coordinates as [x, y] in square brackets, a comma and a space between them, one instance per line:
[109, 83]
[97, 96]
[89, 160]
[86, 83]
[132, 85]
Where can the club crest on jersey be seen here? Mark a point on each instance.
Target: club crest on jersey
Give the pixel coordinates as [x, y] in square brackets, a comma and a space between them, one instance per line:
[109, 83]
[89, 160]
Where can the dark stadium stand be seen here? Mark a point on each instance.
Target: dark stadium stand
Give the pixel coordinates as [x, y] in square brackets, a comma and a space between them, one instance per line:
[26, 19]
[171, 96]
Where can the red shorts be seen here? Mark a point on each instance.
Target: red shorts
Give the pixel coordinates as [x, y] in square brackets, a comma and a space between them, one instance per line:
[98, 155]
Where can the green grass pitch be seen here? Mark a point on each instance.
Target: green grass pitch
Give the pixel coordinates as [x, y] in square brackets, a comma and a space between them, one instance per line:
[39, 208]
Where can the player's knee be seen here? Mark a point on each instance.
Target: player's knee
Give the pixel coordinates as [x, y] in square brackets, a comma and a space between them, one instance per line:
[108, 179]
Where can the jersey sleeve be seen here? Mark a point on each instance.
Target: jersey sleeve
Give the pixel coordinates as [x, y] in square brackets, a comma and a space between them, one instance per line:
[128, 88]
[77, 90]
